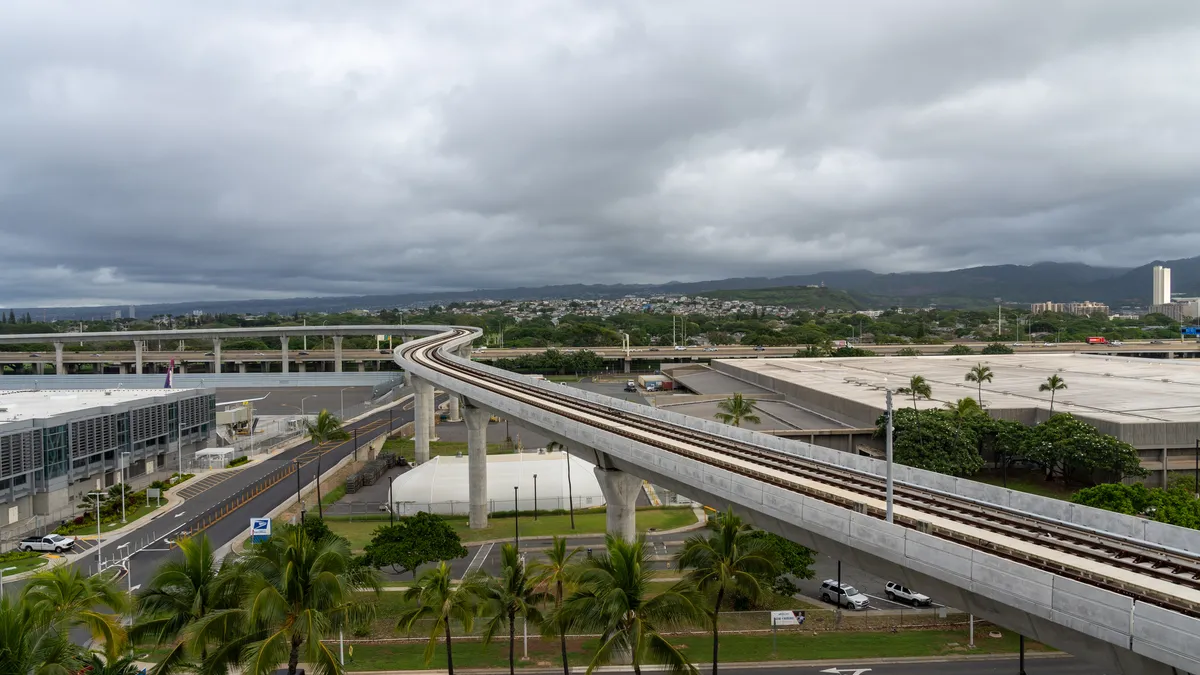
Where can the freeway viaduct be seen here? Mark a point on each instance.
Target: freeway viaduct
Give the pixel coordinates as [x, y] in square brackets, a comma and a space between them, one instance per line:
[1121, 591]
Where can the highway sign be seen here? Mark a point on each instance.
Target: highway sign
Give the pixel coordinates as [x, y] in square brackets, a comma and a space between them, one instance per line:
[260, 529]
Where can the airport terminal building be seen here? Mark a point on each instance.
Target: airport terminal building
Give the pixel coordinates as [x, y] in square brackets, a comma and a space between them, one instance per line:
[57, 445]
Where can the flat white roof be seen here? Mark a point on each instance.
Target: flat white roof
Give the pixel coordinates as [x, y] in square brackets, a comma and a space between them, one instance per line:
[24, 404]
[1119, 389]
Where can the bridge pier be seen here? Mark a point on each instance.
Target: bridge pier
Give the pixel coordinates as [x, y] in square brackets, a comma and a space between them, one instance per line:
[301, 367]
[58, 359]
[283, 342]
[138, 346]
[362, 366]
[477, 423]
[39, 368]
[422, 418]
[628, 365]
[217, 355]
[620, 498]
[337, 353]
[455, 405]
[242, 367]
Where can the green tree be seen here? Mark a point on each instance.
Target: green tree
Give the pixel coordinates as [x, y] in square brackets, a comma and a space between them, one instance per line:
[434, 596]
[1065, 446]
[558, 571]
[326, 428]
[917, 386]
[1053, 384]
[737, 409]
[979, 374]
[67, 597]
[298, 592]
[727, 561]
[959, 350]
[121, 665]
[794, 560]
[1177, 505]
[944, 446]
[997, 348]
[613, 599]
[512, 594]
[33, 644]
[413, 541]
[963, 407]
[182, 591]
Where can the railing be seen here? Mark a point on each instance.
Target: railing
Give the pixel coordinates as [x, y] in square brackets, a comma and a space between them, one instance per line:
[201, 380]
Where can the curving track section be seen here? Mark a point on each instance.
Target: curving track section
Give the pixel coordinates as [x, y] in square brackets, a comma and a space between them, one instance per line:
[1141, 570]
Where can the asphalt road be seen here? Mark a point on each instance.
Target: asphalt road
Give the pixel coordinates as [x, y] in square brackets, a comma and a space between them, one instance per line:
[290, 400]
[152, 539]
[999, 666]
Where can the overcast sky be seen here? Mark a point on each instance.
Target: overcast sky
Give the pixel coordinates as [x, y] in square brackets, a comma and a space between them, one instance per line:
[156, 151]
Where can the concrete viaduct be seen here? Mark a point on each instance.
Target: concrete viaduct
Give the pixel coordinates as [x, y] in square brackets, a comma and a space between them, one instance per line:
[1042, 587]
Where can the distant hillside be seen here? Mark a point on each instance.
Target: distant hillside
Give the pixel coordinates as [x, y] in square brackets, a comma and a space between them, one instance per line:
[795, 297]
[969, 287]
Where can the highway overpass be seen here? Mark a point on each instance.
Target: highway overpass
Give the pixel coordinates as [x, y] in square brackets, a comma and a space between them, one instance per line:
[1123, 592]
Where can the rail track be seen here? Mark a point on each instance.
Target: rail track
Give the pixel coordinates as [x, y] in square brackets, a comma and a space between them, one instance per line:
[1141, 570]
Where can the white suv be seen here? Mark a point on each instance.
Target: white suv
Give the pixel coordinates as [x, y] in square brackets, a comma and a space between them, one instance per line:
[846, 596]
[896, 592]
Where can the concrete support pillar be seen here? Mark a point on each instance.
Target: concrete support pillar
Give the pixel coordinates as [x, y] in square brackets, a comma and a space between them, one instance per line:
[216, 355]
[477, 423]
[123, 368]
[1165, 471]
[362, 366]
[39, 368]
[620, 497]
[301, 366]
[628, 365]
[283, 339]
[337, 353]
[242, 367]
[455, 413]
[58, 362]
[422, 418]
[138, 346]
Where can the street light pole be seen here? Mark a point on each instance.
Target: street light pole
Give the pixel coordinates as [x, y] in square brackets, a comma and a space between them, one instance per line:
[296, 462]
[516, 518]
[2, 571]
[889, 455]
[535, 509]
[342, 401]
[124, 455]
[99, 542]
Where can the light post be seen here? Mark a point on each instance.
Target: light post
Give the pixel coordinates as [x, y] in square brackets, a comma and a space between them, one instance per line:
[392, 500]
[2, 571]
[535, 509]
[516, 518]
[342, 402]
[128, 571]
[302, 404]
[124, 464]
[296, 462]
[889, 455]
[99, 542]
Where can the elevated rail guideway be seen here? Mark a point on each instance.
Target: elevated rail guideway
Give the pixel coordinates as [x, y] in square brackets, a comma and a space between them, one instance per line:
[1122, 591]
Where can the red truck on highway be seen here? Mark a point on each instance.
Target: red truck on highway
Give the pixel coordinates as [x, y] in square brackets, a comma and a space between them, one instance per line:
[1097, 341]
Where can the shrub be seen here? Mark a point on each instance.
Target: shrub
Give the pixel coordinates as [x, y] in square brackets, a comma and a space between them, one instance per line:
[239, 461]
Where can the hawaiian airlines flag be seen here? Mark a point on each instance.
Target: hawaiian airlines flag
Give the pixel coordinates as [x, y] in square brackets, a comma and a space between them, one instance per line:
[170, 369]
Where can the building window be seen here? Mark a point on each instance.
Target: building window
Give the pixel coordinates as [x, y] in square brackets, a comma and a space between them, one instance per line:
[55, 449]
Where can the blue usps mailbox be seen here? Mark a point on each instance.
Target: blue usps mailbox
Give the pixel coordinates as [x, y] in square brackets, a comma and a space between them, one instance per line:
[260, 530]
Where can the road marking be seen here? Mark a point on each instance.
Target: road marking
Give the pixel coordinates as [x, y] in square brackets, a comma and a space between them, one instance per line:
[179, 514]
[848, 671]
[480, 557]
[136, 587]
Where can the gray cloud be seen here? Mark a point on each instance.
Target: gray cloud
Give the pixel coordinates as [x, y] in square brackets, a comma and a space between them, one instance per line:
[155, 152]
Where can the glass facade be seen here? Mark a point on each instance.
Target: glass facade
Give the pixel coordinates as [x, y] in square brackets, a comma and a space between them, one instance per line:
[55, 451]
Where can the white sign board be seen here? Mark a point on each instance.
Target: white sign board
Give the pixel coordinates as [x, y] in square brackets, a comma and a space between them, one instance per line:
[786, 618]
[152, 493]
[260, 529]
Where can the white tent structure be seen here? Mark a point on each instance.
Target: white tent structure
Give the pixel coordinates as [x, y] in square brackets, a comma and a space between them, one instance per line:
[441, 485]
[214, 458]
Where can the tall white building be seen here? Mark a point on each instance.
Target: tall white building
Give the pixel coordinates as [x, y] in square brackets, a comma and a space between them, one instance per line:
[1162, 286]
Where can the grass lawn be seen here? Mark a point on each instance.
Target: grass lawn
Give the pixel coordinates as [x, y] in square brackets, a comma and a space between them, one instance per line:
[734, 648]
[406, 448]
[1032, 482]
[589, 522]
[130, 516]
[23, 565]
[333, 495]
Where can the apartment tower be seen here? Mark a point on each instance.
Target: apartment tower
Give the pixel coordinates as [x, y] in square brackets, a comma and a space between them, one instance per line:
[1162, 286]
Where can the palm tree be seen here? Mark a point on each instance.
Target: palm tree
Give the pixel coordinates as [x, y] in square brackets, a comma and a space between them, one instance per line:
[182, 591]
[979, 374]
[32, 645]
[1052, 384]
[436, 597]
[326, 428]
[65, 596]
[613, 599]
[737, 409]
[559, 571]
[298, 592]
[514, 593]
[121, 665]
[725, 562]
[553, 446]
[963, 407]
[917, 386]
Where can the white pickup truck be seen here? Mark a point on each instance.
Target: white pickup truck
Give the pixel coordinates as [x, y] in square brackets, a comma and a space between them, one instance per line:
[51, 543]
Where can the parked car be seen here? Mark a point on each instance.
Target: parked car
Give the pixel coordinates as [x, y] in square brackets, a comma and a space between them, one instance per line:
[897, 593]
[51, 543]
[844, 596]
